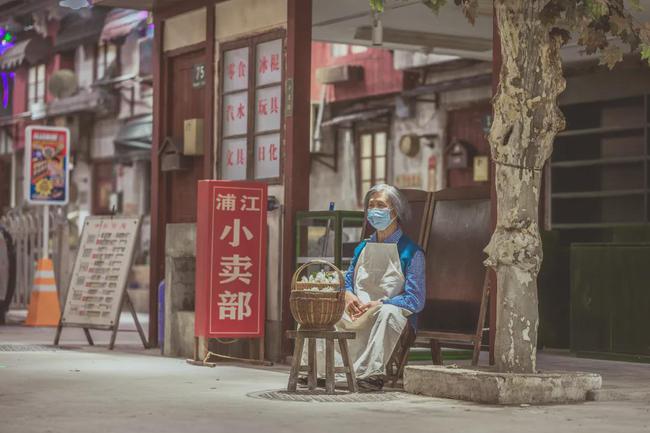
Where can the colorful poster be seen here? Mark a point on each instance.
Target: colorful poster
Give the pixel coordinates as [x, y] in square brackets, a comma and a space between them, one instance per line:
[231, 259]
[47, 174]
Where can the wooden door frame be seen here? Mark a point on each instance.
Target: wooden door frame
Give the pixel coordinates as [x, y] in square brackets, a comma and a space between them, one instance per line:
[296, 166]
[159, 183]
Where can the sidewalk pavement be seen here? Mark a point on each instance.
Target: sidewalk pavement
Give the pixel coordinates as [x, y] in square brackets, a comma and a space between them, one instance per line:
[82, 388]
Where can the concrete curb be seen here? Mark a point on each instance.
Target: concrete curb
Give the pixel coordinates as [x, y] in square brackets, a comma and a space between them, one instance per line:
[500, 388]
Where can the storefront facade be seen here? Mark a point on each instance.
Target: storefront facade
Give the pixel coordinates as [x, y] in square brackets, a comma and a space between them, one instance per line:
[204, 50]
[236, 69]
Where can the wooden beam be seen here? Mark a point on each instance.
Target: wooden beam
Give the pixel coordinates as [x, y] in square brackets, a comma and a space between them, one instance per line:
[427, 39]
[208, 131]
[296, 167]
[157, 245]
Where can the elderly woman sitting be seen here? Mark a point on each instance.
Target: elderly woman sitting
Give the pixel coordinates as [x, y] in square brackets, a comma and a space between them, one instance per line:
[385, 288]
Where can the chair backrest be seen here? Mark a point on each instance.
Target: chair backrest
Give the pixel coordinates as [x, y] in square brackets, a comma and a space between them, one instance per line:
[417, 229]
[460, 230]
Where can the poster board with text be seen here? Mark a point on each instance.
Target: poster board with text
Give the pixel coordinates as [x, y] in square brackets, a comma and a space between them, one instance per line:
[101, 270]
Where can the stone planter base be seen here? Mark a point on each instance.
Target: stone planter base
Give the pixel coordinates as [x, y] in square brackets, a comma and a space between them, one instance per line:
[484, 386]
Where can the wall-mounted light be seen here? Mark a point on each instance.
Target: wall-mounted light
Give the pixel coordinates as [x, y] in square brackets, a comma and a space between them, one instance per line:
[377, 29]
[74, 4]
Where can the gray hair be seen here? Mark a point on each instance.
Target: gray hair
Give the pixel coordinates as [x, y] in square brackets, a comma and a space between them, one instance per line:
[397, 200]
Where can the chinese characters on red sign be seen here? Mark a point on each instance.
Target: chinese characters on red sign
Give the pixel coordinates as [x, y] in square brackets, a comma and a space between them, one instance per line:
[231, 259]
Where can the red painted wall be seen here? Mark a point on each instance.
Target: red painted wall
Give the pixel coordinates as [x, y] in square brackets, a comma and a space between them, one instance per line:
[20, 90]
[379, 76]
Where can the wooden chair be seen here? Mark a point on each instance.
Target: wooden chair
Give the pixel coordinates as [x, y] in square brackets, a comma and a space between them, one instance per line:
[457, 280]
[459, 227]
[452, 226]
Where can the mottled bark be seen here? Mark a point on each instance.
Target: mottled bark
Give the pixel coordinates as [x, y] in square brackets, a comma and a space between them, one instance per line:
[526, 120]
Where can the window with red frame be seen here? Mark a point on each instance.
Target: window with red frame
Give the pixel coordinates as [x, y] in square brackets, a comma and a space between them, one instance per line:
[372, 159]
[251, 90]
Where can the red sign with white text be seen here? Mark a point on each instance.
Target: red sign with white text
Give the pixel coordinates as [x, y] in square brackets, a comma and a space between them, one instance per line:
[231, 259]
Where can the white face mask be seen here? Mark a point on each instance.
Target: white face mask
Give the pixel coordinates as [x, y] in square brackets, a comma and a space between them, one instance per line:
[380, 218]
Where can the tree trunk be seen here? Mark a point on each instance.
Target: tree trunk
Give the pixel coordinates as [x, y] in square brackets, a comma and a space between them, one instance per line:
[526, 120]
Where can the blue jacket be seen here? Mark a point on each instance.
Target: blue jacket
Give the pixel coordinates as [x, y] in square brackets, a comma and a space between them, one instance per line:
[412, 261]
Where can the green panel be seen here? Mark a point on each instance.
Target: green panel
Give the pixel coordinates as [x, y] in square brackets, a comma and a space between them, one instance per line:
[553, 290]
[610, 298]
[311, 229]
[631, 234]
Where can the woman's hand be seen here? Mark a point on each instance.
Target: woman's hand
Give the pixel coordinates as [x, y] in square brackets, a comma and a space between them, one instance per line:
[353, 305]
[363, 308]
[371, 304]
[368, 306]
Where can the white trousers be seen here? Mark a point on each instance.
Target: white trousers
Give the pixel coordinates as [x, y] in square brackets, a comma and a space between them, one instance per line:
[377, 336]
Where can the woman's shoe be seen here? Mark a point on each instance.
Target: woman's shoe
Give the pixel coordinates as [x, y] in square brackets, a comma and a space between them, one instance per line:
[370, 384]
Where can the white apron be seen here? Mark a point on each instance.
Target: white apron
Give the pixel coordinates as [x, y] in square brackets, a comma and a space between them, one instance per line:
[377, 275]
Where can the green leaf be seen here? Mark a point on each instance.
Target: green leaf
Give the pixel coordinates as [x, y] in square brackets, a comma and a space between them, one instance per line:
[377, 5]
[645, 52]
[610, 56]
[592, 39]
[434, 5]
[597, 8]
[644, 33]
[619, 24]
[470, 9]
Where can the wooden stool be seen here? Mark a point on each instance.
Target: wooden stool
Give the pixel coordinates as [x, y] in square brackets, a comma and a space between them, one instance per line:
[311, 368]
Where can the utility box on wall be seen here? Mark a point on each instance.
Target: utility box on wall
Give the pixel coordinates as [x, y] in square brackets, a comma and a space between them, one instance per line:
[193, 137]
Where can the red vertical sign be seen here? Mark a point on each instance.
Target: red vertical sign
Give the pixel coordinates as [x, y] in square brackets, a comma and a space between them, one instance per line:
[231, 259]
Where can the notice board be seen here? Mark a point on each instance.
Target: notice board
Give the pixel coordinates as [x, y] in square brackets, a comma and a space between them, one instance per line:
[231, 259]
[100, 273]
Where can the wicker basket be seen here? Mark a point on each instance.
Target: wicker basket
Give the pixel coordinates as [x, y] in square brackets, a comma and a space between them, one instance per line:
[316, 310]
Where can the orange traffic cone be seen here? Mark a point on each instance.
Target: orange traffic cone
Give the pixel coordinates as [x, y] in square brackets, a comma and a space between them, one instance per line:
[44, 309]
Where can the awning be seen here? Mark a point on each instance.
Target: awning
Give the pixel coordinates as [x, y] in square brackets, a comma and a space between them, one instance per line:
[445, 86]
[77, 30]
[136, 133]
[355, 117]
[32, 51]
[121, 22]
[134, 4]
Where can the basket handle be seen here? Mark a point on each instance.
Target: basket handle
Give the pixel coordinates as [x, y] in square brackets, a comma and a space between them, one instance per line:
[296, 274]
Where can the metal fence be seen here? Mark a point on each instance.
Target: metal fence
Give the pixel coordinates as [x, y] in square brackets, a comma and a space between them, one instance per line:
[26, 228]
